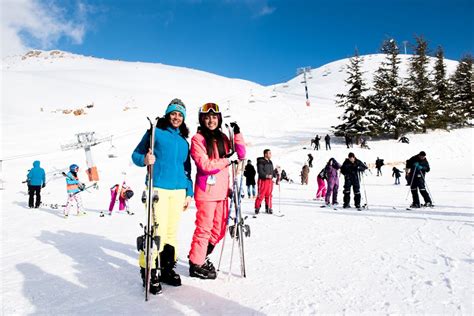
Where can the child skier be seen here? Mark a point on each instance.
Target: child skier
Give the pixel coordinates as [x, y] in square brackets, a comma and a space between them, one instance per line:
[123, 196]
[321, 193]
[397, 174]
[74, 187]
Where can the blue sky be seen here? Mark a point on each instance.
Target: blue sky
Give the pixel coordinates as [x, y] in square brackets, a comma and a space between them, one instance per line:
[258, 40]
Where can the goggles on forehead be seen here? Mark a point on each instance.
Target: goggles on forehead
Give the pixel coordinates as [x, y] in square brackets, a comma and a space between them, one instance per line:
[206, 108]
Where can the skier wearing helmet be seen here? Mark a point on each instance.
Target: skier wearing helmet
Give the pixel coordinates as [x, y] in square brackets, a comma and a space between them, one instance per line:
[74, 186]
[210, 149]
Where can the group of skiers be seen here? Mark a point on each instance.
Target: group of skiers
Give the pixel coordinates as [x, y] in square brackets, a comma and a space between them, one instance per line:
[36, 180]
[352, 168]
[213, 153]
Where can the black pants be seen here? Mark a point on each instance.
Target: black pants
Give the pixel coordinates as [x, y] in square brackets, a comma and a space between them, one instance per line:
[32, 191]
[419, 184]
[328, 146]
[354, 183]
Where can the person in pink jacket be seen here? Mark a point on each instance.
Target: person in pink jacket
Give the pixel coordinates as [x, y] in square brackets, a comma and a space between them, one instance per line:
[211, 152]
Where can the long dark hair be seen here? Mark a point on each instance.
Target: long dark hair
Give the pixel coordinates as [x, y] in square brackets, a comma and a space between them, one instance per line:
[164, 123]
[210, 137]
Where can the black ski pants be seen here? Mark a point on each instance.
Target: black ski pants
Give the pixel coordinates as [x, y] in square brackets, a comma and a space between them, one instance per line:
[354, 183]
[32, 191]
[419, 184]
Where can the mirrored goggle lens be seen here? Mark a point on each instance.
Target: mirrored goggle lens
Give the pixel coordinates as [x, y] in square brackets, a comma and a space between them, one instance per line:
[210, 107]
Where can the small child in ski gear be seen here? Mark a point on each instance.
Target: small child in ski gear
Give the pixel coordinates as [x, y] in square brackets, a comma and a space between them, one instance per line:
[123, 196]
[249, 174]
[265, 182]
[322, 176]
[172, 186]
[419, 166]
[378, 165]
[211, 152]
[36, 179]
[331, 169]
[351, 169]
[397, 174]
[74, 187]
[285, 177]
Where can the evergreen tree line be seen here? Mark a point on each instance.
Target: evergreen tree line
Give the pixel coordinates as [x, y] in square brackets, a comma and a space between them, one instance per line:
[394, 106]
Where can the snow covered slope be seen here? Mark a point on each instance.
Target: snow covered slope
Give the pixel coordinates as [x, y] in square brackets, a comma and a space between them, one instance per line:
[311, 261]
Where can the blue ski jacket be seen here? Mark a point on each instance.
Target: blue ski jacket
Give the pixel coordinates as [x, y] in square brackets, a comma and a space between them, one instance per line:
[172, 168]
[36, 176]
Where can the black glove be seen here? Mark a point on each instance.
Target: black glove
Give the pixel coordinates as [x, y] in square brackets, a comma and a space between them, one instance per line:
[235, 127]
[235, 162]
[81, 186]
[44, 184]
[232, 154]
[229, 193]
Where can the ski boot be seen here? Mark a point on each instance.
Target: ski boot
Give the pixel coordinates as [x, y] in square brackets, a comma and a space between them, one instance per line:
[168, 263]
[155, 285]
[201, 271]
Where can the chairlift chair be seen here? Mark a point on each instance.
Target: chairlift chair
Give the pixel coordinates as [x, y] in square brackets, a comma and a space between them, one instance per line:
[112, 152]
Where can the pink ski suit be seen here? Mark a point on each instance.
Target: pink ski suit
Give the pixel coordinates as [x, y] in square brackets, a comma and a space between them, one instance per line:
[210, 194]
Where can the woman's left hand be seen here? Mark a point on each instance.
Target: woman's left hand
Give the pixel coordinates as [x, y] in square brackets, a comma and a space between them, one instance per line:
[187, 203]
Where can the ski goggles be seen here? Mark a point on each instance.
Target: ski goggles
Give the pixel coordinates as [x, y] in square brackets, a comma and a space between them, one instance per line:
[206, 108]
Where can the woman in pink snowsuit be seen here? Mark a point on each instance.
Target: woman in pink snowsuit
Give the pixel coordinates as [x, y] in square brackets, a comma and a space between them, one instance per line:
[321, 193]
[209, 149]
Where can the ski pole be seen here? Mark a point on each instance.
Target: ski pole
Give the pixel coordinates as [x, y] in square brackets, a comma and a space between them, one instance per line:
[427, 189]
[234, 231]
[411, 182]
[365, 192]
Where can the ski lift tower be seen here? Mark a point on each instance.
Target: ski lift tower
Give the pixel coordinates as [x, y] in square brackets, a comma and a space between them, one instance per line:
[87, 140]
[304, 70]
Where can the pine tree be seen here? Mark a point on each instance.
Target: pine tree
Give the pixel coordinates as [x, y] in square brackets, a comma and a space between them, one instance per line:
[395, 117]
[420, 99]
[441, 91]
[463, 94]
[354, 120]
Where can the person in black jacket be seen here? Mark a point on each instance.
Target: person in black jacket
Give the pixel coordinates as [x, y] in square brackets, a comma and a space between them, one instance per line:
[249, 174]
[265, 182]
[310, 160]
[418, 166]
[327, 139]
[397, 174]
[378, 165]
[351, 169]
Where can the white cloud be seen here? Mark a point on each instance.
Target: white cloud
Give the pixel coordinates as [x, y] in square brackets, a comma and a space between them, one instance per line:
[27, 24]
[266, 10]
[257, 7]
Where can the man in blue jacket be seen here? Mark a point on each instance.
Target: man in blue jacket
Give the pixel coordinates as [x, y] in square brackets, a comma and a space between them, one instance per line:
[36, 180]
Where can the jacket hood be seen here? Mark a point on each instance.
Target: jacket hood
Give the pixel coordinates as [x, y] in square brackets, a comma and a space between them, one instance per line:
[36, 163]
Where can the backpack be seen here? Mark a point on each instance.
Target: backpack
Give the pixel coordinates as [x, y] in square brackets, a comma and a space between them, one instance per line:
[323, 174]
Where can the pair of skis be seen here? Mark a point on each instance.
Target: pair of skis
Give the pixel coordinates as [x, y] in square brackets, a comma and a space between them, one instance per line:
[150, 228]
[238, 229]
